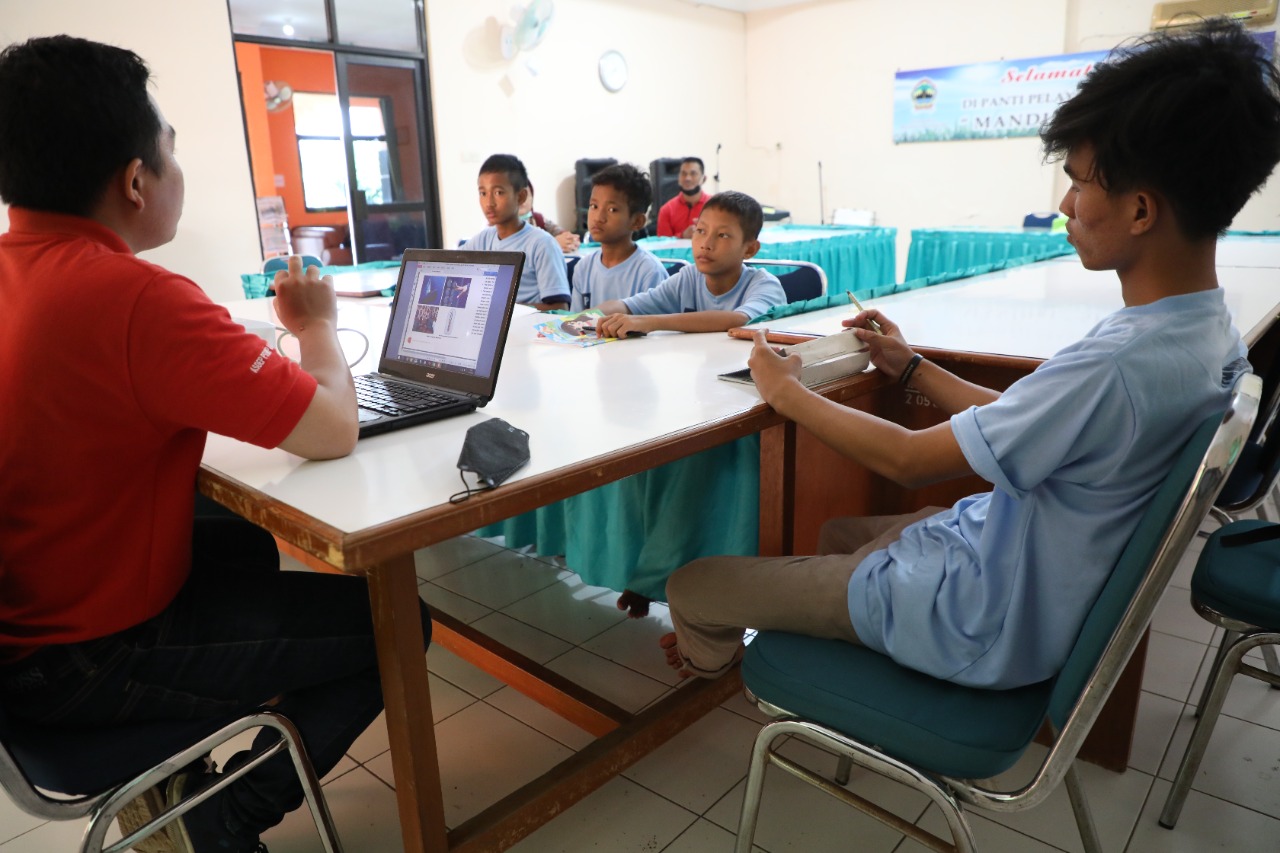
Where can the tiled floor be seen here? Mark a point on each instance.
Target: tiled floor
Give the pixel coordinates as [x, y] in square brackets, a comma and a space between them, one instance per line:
[684, 798]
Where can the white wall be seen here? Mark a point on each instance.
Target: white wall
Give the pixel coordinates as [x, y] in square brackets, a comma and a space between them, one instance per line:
[188, 47]
[778, 89]
[820, 81]
[1102, 24]
[685, 94]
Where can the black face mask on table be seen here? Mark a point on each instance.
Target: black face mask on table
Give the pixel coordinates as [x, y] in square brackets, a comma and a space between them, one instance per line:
[493, 450]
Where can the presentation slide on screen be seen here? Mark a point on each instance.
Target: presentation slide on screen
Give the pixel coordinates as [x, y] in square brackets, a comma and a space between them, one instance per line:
[450, 306]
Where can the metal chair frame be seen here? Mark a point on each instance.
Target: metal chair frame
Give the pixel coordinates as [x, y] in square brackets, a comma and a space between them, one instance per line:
[1239, 638]
[103, 807]
[951, 795]
[796, 265]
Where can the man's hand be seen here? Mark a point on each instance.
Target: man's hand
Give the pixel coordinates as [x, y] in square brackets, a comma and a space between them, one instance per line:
[304, 297]
[773, 374]
[619, 325]
[687, 234]
[569, 242]
[889, 350]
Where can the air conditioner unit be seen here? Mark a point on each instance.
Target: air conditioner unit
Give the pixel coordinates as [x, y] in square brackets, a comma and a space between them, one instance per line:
[1181, 13]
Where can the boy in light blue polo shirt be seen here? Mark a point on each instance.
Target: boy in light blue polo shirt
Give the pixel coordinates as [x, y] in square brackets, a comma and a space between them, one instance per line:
[503, 185]
[620, 195]
[719, 292]
[993, 591]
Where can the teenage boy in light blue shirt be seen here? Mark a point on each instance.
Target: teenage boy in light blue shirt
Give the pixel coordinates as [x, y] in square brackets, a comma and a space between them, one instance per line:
[993, 591]
[504, 185]
[620, 195]
[719, 292]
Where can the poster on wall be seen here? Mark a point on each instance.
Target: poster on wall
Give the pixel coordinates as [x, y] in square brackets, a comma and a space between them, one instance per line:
[992, 100]
[986, 100]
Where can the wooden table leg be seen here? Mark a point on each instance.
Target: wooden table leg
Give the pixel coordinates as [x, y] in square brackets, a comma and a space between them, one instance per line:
[393, 590]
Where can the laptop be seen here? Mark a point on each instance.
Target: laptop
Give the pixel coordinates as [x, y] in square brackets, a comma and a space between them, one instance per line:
[448, 327]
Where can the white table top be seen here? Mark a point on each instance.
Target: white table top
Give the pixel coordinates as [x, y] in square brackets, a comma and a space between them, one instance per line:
[581, 404]
[1249, 252]
[1235, 250]
[576, 404]
[1033, 310]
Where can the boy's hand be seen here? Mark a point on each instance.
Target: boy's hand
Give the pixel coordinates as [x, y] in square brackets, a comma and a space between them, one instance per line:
[620, 325]
[304, 297]
[889, 350]
[569, 242]
[772, 373]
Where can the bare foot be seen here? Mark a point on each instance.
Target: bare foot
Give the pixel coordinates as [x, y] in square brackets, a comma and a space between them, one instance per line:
[675, 660]
[636, 605]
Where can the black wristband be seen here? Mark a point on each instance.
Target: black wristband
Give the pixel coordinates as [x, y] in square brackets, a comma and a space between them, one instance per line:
[910, 369]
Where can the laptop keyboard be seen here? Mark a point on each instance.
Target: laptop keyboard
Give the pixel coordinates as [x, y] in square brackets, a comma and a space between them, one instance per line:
[397, 398]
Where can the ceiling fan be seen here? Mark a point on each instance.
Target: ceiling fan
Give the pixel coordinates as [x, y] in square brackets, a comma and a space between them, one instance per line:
[278, 95]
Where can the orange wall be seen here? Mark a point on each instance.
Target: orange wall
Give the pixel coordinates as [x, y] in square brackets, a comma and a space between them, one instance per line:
[272, 141]
[249, 64]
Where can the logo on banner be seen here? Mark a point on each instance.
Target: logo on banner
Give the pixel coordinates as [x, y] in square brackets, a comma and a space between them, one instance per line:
[923, 94]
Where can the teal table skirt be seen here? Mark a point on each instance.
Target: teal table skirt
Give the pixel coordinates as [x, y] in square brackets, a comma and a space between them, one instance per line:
[943, 250]
[255, 284]
[632, 533]
[854, 258]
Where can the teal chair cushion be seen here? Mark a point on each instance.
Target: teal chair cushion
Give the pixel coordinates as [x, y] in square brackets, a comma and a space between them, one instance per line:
[935, 725]
[1242, 582]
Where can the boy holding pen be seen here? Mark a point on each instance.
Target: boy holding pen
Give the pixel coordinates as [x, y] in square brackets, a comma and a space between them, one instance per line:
[992, 591]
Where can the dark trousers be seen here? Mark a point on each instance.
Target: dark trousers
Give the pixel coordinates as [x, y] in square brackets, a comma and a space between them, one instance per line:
[240, 634]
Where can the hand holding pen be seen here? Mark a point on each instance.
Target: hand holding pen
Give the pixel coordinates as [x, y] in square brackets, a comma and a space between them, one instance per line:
[889, 350]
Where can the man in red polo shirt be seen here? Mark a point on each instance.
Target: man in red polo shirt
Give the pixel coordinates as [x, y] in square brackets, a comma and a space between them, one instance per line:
[677, 217]
[119, 602]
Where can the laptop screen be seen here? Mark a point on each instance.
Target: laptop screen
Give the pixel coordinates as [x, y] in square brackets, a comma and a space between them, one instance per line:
[450, 316]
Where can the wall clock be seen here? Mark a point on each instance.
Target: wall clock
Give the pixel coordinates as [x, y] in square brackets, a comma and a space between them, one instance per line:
[613, 70]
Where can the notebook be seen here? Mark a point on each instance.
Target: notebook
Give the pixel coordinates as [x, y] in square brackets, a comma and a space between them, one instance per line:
[822, 359]
[444, 342]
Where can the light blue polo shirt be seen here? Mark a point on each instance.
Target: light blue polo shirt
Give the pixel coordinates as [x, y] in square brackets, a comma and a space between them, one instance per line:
[755, 293]
[543, 275]
[594, 283]
[992, 592]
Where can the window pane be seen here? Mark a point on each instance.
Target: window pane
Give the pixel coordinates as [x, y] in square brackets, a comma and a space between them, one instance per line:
[285, 19]
[324, 173]
[390, 24]
[366, 117]
[387, 235]
[394, 88]
[373, 174]
[316, 114]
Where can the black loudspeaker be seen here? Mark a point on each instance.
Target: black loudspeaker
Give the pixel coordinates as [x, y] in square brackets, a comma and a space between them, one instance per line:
[582, 171]
[664, 174]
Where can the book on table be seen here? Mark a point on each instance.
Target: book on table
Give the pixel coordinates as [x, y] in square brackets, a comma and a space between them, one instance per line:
[822, 359]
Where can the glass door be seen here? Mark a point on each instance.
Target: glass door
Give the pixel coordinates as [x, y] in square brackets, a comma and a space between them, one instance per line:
[388, 173]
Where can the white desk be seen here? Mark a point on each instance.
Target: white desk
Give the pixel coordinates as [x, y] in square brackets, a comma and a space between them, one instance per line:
[576, 404]
[1035, 310]
[1236, 250]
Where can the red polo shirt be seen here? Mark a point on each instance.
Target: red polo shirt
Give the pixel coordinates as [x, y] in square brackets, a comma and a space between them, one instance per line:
[112, 372]
[676, 215]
